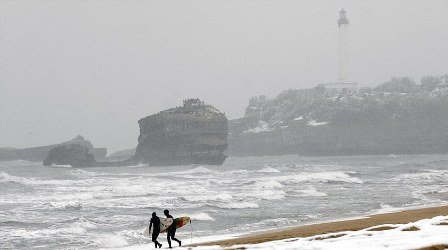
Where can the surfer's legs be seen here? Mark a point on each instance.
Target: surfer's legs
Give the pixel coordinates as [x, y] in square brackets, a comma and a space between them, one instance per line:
[171, 235]
[157, 244]
[168, 238]
[154, 239]
[178, 241]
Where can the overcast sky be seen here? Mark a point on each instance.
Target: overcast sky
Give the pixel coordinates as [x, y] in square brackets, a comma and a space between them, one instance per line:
[95, 67]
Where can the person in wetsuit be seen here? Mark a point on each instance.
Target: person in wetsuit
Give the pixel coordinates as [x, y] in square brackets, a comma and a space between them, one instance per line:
[171, 229]
[155, 222]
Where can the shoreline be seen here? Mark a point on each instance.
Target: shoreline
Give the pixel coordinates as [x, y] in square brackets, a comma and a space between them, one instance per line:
[349, 224]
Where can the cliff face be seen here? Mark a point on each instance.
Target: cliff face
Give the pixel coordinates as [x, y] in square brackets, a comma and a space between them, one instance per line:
[99, 153]
[307, 122]
[121, 155]
[40, 153]
[195, 133]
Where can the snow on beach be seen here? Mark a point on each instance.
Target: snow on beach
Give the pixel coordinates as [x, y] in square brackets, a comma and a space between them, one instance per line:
[415, 235]
[423, 233]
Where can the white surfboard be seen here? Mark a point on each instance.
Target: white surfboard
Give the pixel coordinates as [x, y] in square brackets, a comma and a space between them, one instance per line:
[164, 224]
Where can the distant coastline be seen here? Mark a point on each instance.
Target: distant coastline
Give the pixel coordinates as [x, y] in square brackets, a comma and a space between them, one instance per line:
[397, 117]
[36, 154]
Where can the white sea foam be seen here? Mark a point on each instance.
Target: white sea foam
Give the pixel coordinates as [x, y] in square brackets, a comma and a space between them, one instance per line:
[60, 166]
[220, 182]
[238, 205]
[311, 192]
[261, 225]
[144, 191]
[427, 185]
[268, 194]
[197, 170]
[5, 177]
[424, 176]
[77, 226]
[268, 184]
[83, 222]
[385, 208]
[140, 165]
[234, 172]
[269, 170]
[111, 241]
[82, 172]
[209, 197]
[67, 204]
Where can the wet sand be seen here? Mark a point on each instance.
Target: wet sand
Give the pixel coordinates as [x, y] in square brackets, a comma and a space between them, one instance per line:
[401, 217]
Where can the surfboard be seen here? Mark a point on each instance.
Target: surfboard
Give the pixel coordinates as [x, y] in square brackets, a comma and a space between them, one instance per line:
[164, 224]
[181, 221]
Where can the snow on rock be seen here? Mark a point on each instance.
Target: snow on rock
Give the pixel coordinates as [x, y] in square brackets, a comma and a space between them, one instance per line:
[315, 123]
[261, 127]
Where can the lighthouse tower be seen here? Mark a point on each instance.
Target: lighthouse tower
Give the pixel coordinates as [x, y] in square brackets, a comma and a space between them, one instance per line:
[343, 84]
[344, 60]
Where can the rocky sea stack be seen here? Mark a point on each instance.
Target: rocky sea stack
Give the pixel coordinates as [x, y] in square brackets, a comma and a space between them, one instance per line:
[195, 133]
[70, 154]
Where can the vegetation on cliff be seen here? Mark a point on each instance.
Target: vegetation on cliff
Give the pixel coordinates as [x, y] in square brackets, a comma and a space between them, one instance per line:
[397, 117]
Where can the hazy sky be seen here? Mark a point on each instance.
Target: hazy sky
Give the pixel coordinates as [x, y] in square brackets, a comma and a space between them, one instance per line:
[95, 67]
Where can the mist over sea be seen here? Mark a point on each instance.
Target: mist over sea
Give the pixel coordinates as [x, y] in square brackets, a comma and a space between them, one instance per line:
[65, 207]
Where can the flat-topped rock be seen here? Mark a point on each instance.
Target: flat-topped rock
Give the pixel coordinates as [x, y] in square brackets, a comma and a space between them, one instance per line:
[195, 133]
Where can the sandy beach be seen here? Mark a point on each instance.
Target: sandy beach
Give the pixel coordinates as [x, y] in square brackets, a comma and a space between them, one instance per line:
[400, 217]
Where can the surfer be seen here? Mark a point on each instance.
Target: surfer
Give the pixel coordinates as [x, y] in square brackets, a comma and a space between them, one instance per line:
[155, 222]
[171, 229]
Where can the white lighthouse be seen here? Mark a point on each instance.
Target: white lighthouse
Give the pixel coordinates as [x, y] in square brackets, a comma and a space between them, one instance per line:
[344, 60]
[343, 84]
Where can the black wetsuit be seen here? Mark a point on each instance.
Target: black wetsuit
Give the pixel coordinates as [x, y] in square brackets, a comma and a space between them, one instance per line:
[155, 222]
[171, 232]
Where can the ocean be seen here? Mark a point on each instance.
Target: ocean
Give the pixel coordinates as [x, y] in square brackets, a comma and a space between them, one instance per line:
[63, 207]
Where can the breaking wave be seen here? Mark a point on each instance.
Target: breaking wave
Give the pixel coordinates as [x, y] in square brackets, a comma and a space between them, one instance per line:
[424, 176]
[201, 217]
[316, 177]
[311, 192]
